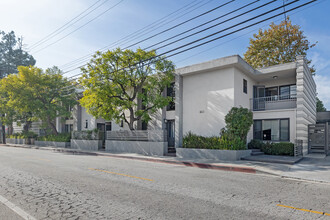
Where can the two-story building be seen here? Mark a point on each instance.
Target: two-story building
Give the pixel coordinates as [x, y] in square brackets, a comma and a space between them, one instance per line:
[281, 97]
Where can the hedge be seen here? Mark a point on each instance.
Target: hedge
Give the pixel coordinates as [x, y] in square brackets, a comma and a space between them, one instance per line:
[281, 148]
[191, 140]
[63, 137]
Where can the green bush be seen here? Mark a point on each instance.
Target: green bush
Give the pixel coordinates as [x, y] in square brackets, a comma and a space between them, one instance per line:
[281, 148]
[23, 135]
[63, 137]
[225, 142]
[255, 144]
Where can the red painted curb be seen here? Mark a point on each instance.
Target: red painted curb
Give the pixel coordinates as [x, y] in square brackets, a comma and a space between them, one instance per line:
[183, 163]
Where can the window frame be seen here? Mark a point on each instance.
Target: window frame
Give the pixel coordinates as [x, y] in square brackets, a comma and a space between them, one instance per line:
[245, 90]
[272, 119]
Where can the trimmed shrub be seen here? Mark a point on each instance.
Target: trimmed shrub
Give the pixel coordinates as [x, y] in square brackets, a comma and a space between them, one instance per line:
[225, 142]
[62, 137]
[255, 144]
[281, 148]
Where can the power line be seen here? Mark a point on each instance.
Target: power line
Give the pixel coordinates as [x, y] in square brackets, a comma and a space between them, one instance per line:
[80, 26]
[150, 26]
[202, 24]
[222, 30]
[67, 24]
[243, 28]
[229, 19]
[153, 29]
[254, 30]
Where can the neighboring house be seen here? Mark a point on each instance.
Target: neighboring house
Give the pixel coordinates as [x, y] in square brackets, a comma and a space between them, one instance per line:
[281, 97]
[35, 127]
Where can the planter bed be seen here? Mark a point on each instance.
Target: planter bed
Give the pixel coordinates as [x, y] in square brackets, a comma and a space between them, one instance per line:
[86, 144]
[52, 144]
[139, 147]
[193, 153]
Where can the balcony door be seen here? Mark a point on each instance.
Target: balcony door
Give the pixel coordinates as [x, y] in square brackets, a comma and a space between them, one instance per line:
[258, 97]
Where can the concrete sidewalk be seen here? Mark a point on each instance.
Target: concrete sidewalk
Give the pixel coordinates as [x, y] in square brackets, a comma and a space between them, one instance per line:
[312, 167]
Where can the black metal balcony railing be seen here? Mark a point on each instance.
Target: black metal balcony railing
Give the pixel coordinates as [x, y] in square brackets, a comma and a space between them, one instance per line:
[273, 102]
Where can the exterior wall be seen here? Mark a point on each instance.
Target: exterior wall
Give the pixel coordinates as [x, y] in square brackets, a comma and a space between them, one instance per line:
[35, 127]
[241, 98]
[277, 114]
[207, 98]
[306, 101]
[278, 82]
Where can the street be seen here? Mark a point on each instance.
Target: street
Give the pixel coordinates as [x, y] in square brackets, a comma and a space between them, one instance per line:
[49, 185]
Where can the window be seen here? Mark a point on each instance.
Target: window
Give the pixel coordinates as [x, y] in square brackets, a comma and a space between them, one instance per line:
[108, 126]
[86, 124]
[271, 130]
[288, 92]
[272, 91]
[171, 94]
[245, 86]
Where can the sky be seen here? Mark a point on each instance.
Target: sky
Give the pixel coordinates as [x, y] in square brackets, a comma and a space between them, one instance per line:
[118, 23]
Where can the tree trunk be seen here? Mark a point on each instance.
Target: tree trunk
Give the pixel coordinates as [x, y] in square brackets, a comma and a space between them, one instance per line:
[27, 126]
[52, 126]
[131, 119]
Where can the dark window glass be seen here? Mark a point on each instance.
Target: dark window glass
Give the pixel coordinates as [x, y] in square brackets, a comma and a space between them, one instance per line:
[108, 126]
[244, 86]
[285, 92]
[257, 130]
[171, 94]
[284, 129]
[273, 91]
[144, 126]
[86, 124]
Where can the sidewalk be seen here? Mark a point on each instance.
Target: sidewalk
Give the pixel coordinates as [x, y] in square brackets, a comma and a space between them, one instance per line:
[312, 167]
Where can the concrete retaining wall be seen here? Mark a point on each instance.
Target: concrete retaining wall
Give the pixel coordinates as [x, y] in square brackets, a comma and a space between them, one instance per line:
[189, 153]
[15, 141]
[86, 144]
[52, 144]
[139, 147]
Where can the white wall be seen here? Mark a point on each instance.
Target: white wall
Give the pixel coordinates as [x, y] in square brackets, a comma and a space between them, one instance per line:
[241, 98]
[207, 98]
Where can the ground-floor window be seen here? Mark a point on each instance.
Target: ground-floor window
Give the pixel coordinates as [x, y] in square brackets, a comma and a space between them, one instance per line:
[271, 130]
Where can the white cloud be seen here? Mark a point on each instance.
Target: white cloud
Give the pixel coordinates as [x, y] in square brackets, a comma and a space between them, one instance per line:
[323, 89]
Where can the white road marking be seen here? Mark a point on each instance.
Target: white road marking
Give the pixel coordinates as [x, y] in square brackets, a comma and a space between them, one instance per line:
[16, 209]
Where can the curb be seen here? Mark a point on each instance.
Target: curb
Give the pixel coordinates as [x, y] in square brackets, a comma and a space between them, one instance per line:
[165, 161]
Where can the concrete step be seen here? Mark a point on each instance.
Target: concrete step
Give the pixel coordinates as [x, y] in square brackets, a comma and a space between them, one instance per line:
[255, 153]
[317, 151]
[171, 150]
[255, 150]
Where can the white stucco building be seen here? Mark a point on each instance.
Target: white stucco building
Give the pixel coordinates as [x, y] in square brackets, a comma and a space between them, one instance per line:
[282, 99]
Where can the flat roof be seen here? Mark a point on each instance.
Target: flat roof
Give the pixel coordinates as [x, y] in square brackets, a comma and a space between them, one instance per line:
[260, 74]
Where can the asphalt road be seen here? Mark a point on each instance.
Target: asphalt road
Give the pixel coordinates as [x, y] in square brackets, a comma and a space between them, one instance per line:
[49, 185]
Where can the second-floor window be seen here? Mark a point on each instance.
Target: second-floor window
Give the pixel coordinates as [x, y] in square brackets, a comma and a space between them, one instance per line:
[171, 94]
[245, 86]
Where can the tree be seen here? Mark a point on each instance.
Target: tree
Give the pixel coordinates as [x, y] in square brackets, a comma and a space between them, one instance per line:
[12, 54]
[279, 44]
[34, 94]
[238, 122]
[319, 105]
[118, 86]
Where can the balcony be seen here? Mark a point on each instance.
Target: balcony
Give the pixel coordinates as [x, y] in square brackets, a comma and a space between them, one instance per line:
[273, 102]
